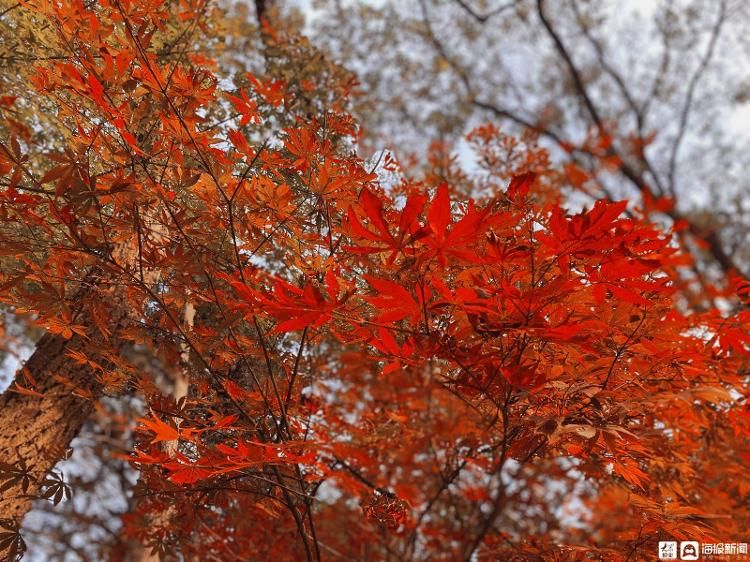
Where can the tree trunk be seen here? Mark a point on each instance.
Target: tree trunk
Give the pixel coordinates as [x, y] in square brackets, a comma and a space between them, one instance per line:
[35, 431]
[130, 549]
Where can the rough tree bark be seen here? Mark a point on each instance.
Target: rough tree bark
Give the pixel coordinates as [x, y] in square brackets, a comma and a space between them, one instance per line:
[35, 431]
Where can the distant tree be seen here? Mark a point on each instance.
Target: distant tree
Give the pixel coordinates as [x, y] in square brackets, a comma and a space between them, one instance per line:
[636, 100]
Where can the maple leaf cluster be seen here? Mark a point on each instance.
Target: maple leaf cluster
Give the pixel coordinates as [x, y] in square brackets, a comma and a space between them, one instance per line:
[376, 370]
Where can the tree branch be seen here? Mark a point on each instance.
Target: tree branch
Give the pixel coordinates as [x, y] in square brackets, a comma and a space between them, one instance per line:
[482, 18]
[685, 114]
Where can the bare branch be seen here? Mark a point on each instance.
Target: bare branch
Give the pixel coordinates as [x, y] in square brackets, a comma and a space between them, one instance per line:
[685, 115]
[443, 52]
[482, 18]
[623, 88]
[664, 64]
[574, 73]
